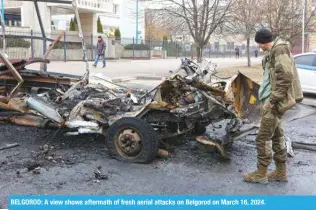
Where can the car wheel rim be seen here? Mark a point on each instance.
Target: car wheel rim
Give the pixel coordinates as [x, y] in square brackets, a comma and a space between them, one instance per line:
[128, 143]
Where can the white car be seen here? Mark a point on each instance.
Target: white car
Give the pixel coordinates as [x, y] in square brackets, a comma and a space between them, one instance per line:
[306, 67]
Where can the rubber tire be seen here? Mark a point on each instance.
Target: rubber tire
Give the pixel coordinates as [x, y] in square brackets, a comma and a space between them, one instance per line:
[150, 140]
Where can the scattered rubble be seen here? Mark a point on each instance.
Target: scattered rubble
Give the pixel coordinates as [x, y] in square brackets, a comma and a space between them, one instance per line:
[18, 174]
[9, 146]
[180, 105]
[98, 174]
[163, 153]
[32, 165]
[302, 163]
[37, 170]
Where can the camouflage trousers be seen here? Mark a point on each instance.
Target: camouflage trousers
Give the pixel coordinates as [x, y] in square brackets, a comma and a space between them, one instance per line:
[270, 137]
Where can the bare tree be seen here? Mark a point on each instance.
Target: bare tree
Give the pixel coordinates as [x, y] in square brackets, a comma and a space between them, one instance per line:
[244, 18]
[284, 18]
[151, 26]
[201, 17]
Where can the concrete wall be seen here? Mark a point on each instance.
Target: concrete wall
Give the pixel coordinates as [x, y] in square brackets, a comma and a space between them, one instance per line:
[144, 54]
[158, 54]
[86, 22]
[119, 49]
[71, 55]
[77, 54]
[138, 54]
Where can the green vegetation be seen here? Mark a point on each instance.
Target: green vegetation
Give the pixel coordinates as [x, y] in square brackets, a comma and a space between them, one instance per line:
[16, 42]
[136, 47]
[99, 24]
[72, 25]
[117, 34]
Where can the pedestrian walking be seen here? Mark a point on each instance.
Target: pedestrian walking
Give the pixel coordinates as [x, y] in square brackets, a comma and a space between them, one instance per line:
[100, 52]
[256, 53]
[280, 91]
[237, 52]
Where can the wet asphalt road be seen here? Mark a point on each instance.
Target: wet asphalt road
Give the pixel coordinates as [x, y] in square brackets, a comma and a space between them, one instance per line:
[190, 169]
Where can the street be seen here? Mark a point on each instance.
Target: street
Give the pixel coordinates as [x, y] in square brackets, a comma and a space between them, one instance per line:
[189, 169]
[131, 68]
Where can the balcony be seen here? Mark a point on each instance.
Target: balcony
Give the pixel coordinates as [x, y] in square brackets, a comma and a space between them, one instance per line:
[89, 6]
[12, 4]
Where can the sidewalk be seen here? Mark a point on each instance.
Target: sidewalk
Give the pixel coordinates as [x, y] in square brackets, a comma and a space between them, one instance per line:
[135, 68]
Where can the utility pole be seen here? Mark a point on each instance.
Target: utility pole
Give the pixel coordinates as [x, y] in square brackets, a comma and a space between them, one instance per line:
[136, 21]
[2, 9]
[3, 27]
[303, 24]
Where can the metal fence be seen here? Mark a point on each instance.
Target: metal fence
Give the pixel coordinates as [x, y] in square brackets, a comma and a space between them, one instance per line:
[25, 43]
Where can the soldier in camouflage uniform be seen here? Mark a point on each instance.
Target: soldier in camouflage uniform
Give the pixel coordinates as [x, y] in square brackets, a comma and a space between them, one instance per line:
[280, 91]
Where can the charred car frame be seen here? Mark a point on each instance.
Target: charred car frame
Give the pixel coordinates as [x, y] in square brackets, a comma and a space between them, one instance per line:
[133, 122]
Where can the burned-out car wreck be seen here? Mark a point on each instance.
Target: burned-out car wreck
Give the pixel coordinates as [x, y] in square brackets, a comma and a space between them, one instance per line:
[134, 123]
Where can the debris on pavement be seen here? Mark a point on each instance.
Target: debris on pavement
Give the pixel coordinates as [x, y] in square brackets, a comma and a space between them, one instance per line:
[30, 165]
[302, 163]
[305, 146]
[18, 174]
[289, 146]
[181, 104]
[162, 153]
[210, 142]
[37, 170]
[9, 146]
[99, 175]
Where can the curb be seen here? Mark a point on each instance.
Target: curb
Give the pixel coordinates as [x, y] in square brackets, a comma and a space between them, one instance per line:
[123, 79]
[126, 79]
[149, 78]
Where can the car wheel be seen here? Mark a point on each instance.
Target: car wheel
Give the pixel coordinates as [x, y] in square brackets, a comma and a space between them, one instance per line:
[132, 140]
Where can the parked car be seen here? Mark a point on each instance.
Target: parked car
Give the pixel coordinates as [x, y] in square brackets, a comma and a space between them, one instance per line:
[306, 67]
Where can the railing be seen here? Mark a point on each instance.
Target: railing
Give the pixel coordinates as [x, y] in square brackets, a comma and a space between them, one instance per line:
[94, 5]
[100, 5]
[8, 3]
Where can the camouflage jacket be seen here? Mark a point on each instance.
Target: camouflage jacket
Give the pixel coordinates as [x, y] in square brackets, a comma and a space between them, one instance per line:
[285, 83]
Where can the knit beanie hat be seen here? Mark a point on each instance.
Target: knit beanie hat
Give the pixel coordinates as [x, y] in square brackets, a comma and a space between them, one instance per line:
[263, 36]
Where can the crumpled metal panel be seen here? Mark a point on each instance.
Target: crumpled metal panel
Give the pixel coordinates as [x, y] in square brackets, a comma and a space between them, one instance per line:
[245, 95]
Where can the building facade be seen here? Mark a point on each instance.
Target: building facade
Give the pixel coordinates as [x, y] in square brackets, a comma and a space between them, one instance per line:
[124, 18]
[23, 13]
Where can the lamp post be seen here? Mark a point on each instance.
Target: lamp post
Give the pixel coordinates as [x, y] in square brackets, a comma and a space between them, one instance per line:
[303, 27]
[2, 10]
[137, 21]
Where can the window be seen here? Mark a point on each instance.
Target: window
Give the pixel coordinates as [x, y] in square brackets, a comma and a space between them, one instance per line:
[307, 60]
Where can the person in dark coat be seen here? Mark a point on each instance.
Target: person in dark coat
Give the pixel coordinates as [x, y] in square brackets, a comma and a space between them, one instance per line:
[100, 51]
[256, 53]
[237, 52]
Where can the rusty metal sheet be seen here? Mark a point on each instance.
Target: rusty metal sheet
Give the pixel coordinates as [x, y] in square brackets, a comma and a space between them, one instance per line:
[245, 95]
[20, 64]
[52, 80]
[15, 104]
[16, 76]
[29, 120]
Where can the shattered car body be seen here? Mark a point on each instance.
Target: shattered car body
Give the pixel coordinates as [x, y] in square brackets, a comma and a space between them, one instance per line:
[134, 123]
